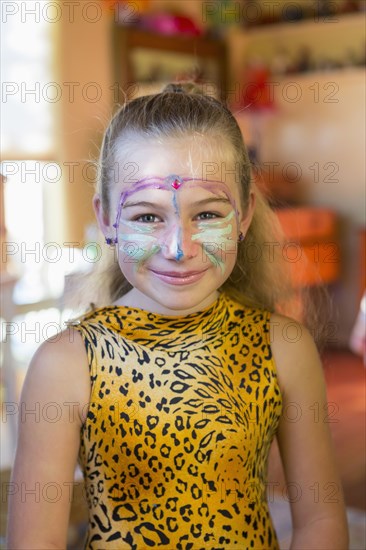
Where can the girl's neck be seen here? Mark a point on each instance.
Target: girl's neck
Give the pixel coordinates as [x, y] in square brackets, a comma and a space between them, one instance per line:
[136, 299]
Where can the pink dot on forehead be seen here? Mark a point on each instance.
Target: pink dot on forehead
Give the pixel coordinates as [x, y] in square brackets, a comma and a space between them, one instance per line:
[175, 181]
[176, 184]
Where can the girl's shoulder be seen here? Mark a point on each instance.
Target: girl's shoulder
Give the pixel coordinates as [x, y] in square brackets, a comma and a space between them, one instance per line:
[294, 352]
[60, 362]
[66, 344]
[288, 334]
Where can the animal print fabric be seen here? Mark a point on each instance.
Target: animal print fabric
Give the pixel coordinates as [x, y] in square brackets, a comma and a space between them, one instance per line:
[182, 414]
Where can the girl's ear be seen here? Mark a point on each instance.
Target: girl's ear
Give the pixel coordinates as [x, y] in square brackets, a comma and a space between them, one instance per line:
[103, 219]
[246, 219]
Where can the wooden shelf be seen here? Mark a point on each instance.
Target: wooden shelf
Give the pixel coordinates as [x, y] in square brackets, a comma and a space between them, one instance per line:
[127, 41]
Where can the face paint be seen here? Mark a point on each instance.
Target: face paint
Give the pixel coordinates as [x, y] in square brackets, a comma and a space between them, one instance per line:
[178, 244]
[174, 182]
[213, 234]
[147, 245]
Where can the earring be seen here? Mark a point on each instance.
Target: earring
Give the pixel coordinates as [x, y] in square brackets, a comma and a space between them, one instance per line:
[110, 241]
[241, 237]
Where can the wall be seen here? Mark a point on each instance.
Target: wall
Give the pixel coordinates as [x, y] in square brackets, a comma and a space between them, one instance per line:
[85, 72]
[319, 118]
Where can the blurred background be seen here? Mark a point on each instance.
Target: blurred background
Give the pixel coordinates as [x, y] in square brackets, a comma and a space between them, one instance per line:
[293, 74]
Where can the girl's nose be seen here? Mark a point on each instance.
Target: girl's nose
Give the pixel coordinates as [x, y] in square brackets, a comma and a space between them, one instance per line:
[177, 244]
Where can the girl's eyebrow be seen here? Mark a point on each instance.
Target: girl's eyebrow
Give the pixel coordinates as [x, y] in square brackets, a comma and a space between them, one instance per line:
[139, 203]
[197, 203]
[224, 200]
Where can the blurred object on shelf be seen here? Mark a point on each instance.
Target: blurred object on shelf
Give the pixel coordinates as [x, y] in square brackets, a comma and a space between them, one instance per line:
[258, 13]
[293, 13]
[169, 24]
[326, 8]
[220, 15]
[350, 6]
[303, 63]
[281, 63]
[357, 341]
[143, 15]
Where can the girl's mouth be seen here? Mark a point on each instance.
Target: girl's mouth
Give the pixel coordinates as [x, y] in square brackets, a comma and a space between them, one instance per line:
[179, 277]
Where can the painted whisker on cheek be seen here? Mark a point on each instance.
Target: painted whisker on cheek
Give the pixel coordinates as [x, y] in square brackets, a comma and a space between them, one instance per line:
[215, 260]
[213, 235]
[218, 222]
[132, 237]
[139, 245]
[218, 229]
[213, 232]
[147, 254]
[138, 248]
[138, 227]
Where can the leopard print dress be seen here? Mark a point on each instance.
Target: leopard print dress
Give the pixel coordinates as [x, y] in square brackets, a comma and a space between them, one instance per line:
[182, 414]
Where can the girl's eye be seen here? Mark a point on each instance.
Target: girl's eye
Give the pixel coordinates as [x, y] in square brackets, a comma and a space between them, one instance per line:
[147, 218]
[208, 216]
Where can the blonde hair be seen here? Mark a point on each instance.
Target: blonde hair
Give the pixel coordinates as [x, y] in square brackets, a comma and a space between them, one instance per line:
[259, 278]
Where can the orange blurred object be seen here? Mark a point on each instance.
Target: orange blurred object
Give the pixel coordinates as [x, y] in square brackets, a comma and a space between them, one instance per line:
[312, 245]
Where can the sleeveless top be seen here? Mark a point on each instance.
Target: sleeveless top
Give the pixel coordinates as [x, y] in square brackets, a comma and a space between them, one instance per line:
[181, 417]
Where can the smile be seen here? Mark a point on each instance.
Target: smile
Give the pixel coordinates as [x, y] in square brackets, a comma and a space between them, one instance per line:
[179, 277]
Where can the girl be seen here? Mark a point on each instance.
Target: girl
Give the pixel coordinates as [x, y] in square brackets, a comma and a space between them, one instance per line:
[173, 388]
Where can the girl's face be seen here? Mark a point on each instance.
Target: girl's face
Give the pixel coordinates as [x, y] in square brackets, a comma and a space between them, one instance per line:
[176, 216]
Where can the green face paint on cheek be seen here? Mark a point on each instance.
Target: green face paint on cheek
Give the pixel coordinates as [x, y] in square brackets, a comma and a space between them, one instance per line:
[216, 260]
[138, 244]
[212, 235]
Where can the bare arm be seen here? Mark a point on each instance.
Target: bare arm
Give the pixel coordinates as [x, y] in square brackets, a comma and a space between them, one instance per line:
[55, 392]
[313, 483]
